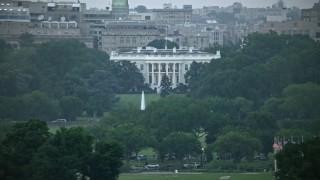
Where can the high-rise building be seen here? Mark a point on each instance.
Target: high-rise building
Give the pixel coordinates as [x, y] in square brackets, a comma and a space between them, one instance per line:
[120, 9]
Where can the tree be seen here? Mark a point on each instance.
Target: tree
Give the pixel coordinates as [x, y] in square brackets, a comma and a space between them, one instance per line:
[140, 9]
[299, 161]
[39, 105]
[71, 107]
[301, 100]
[5, 49]
[182, 144]
[73, 151]
[238, 144]
[132, 137]
[19, 146]
[105, 161]
[263, 126]
[165, 86]
[127, 76]
[26, 39]
[195, 75]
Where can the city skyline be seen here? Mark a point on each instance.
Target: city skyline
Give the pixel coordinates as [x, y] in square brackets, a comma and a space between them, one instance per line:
[151, 4]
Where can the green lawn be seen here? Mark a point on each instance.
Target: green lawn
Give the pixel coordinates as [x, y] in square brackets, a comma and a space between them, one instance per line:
[135, 99]
[197, 176]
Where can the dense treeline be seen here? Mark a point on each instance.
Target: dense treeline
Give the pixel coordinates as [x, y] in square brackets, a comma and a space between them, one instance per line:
[267, 86]
[61, 79]
[29, 151]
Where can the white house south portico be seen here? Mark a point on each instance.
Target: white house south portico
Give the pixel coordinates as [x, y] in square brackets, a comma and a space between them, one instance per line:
[154, 63]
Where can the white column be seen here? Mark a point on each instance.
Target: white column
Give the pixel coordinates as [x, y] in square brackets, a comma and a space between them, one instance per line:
[180, 72]
[159, 74]
[152, 73]
[174, 74]
[167, 67]
[147, 72]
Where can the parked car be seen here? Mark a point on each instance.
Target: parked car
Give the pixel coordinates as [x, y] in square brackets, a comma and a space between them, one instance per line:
[169, 157]
[142, 157]
[261, 158]
[59, 121]
[191, 165]
[152, 166]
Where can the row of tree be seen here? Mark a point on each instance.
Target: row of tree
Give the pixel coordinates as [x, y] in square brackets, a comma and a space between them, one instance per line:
[61, 79]
[29, 151]
[268, 86]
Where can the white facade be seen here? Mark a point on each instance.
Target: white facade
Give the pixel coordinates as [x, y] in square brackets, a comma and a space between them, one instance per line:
[154, 63]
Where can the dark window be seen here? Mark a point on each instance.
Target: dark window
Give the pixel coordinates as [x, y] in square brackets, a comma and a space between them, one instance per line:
[317, 34]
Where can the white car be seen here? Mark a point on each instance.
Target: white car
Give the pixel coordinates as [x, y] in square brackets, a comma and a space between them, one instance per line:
[152, 166]
[60, 121]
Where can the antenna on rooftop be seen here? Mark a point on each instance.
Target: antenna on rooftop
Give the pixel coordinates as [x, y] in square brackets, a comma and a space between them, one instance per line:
[40, 17]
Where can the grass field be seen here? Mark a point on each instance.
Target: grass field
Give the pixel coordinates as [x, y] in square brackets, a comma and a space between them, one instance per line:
[135, 99]
[197, 176]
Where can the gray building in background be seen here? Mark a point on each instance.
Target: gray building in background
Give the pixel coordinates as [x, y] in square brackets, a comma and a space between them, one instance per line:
[120, 9]
[123, 36]
[45, 20]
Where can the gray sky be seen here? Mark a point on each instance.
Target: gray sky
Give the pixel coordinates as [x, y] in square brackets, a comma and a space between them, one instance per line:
[150, 4]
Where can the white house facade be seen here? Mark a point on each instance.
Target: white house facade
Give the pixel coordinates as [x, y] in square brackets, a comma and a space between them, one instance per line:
[154, 63]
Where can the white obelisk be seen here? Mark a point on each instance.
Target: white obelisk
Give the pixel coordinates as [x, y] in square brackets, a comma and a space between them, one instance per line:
[143, 104]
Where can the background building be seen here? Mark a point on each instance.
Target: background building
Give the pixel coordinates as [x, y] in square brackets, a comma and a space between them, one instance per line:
[126, 35]
[312, 14]
[45, 20]
[120, 9]
[173, 16]
[306, 28]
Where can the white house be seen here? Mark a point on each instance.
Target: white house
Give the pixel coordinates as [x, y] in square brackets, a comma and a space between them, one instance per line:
[154, 63]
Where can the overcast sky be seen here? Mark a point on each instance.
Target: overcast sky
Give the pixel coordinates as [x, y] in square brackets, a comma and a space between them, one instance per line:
[150, 4]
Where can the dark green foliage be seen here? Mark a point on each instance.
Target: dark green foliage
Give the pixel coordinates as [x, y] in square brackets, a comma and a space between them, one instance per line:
[194, 76]
[261, 69]
[132, 137]
[18, 148]
[105, 161]
[29, 151]
[5, 49]
[181, 144]
[54, 70]
[140, 9]
[26, 39]
[238, 144]
[299, 161]
[165, 86]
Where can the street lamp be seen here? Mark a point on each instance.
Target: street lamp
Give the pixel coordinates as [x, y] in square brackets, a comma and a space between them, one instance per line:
[201, 164]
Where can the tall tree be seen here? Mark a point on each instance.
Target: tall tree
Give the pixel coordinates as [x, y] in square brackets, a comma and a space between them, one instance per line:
[18, 148]
[165, 86]
[141, 9]
[132, 137]
[299, 161]
[26, 39]
[71, 152]
[238, 144]
[308, 96]
[195, 75]
[71, 107]
[182, 144]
